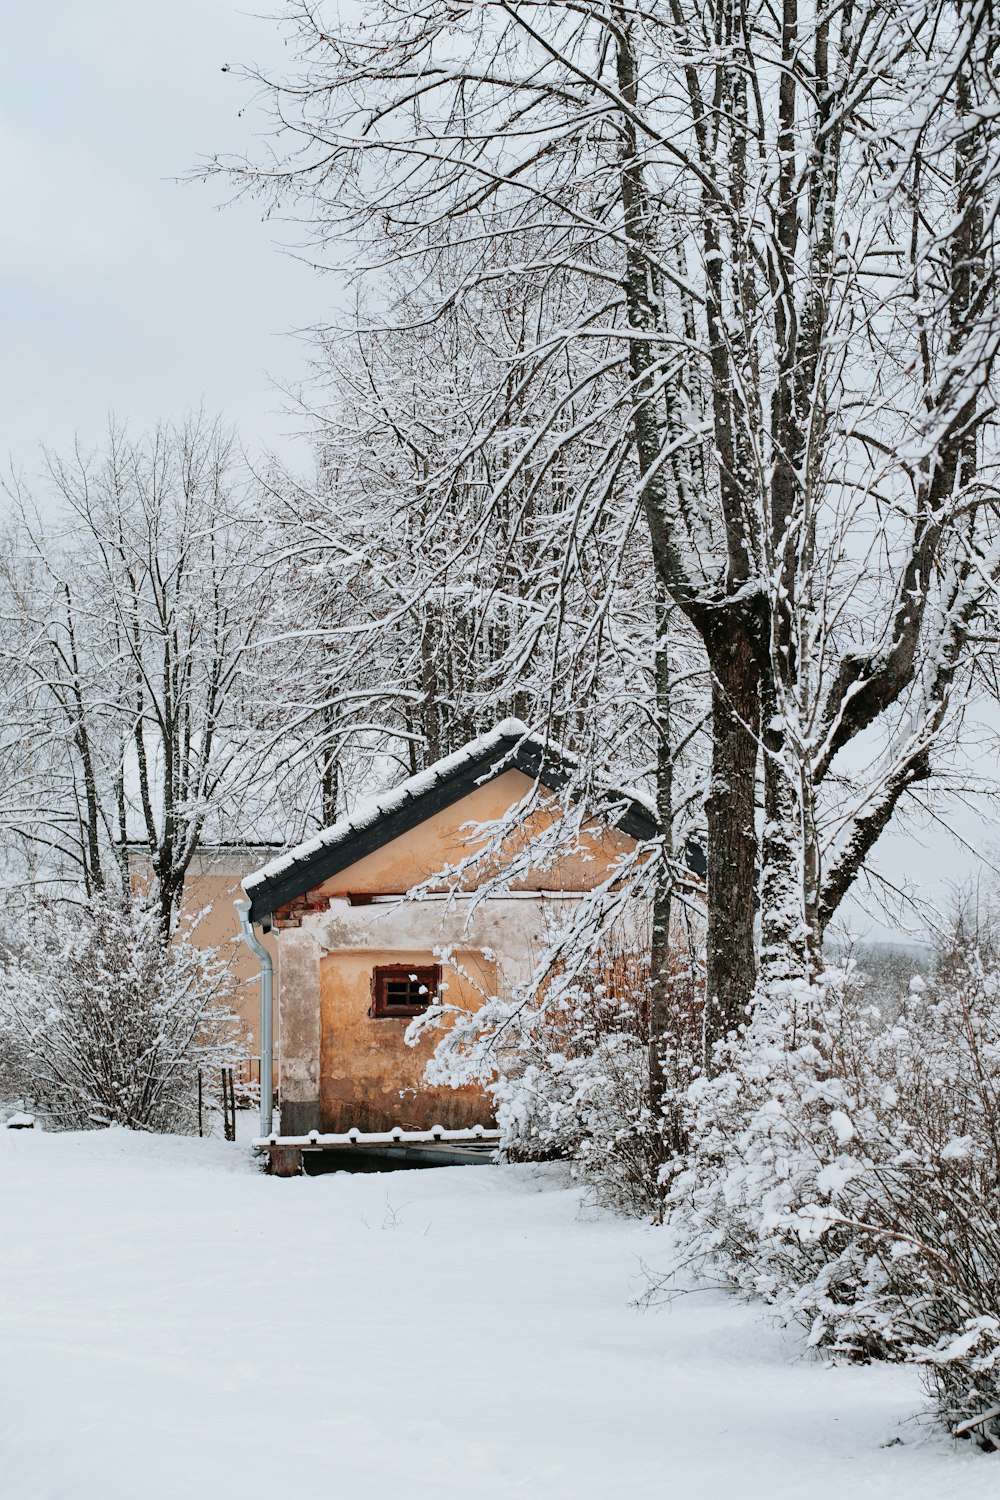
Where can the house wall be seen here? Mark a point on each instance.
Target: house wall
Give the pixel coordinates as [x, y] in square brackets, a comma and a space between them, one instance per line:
[212, 887]
[209, 918]
[326, 967]
[340, 1067]
[442, 840]
[369, 1077]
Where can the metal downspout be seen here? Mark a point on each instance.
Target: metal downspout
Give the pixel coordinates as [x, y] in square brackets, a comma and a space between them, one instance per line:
[255, 945]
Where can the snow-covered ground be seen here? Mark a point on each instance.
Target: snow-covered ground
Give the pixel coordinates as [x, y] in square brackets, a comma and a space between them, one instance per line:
[174, 1324]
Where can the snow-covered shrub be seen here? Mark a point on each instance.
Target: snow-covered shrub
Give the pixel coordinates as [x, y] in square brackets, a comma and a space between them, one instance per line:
[768, 1135]
[848, 1172]
[101, 1023]
[577, 1084]
[568, 1067]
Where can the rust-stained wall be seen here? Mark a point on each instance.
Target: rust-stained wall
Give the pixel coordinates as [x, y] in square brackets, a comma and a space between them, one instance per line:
[299, 1017]
[369, 1077]
[341, 1068]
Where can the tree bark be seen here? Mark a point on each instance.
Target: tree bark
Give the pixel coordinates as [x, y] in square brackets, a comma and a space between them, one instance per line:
[662, 1001]
[791, 934]
[732, 836]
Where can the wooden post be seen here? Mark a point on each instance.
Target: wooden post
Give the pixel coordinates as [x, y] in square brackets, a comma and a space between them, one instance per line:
[285, 1161]
[228, 1104]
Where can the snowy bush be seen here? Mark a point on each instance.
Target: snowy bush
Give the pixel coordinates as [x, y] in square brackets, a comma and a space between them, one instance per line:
[568, 1067]
[101, 1023]
[577, 1087]
[768, 1134]
[848, 1172]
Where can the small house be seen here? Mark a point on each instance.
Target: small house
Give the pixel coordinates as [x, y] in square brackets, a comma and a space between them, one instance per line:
[361, 911]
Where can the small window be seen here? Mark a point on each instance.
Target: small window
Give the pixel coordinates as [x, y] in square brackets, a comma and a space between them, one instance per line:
[404, 991]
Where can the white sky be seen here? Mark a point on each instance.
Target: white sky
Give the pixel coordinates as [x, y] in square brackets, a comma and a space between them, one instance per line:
[119, 287]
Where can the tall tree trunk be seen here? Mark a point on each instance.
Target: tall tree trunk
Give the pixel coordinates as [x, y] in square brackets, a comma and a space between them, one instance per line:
[662, 1001]
[732, 837]
[733, 630]
[329, 775]
[790, 864]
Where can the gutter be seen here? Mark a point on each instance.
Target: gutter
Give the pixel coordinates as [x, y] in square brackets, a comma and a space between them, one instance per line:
[256, 947]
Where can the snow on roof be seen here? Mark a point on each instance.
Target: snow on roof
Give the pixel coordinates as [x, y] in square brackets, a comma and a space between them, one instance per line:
[374, 808]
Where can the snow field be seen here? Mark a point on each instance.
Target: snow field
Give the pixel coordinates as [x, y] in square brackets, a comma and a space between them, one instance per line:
[174, 1324]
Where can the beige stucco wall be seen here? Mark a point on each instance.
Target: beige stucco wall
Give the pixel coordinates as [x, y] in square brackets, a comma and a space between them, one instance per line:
[442, 840]
[210, 890]
[208, 916]
[332, 954]
[369, 1077]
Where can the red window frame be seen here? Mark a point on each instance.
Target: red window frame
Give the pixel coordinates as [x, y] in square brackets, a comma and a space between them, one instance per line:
[428, 975]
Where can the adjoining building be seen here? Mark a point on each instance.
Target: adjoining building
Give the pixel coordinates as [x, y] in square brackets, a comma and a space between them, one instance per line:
[214, 879]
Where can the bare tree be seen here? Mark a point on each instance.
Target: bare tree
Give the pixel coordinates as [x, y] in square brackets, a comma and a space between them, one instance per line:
[137, 644]
[442, 598]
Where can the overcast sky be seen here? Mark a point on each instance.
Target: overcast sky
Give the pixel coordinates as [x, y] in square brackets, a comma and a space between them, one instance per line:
[119, 287]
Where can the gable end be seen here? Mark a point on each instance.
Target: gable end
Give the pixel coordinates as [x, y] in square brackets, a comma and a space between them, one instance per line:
[513, 752]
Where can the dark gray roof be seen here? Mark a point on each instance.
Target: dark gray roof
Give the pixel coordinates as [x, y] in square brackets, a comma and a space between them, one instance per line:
[510, 746]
